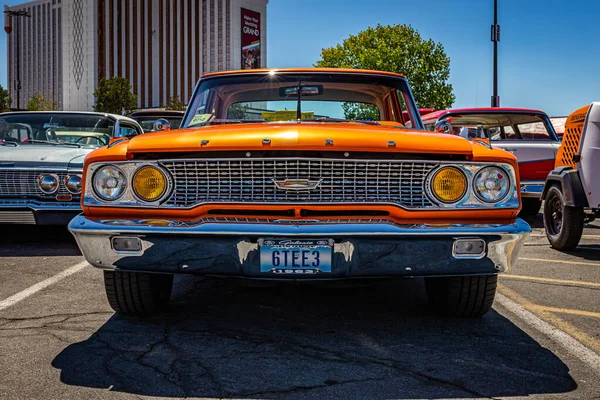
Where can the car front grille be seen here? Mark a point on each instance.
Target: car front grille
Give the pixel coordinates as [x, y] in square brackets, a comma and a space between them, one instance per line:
[332, 180]
[24, 183]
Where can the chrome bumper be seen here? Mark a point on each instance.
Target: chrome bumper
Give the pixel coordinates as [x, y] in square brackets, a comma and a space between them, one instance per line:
[532, 189]
[361, 248]
[31, 212]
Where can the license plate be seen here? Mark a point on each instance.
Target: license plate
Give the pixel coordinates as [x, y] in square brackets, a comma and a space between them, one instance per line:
[295, 256]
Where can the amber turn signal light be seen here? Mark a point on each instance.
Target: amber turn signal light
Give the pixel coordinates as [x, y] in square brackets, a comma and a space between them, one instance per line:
[449, 185]
[149, 183]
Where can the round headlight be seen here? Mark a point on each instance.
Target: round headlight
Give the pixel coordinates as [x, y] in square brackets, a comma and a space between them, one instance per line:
[109, 183]
[149, 183]
[449, 185]
[73, 184]
[48, 183]
[491, 184]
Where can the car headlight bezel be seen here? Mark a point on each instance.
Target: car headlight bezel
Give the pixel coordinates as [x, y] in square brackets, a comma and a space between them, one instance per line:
[448, 169]
[506, 190]
[69, 183]
[121, 183]
[136, 190]
[471, 200]
[42, 184]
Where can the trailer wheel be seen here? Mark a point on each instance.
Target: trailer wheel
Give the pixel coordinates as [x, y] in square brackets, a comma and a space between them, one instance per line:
[564, 224]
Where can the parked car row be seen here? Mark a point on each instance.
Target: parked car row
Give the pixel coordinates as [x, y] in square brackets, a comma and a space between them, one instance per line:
[300, 174]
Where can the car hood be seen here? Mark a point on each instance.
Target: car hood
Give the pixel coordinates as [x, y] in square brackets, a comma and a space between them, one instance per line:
[43, 156]
[300, 136]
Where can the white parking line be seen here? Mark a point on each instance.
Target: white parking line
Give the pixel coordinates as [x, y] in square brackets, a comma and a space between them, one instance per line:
[12, 300]
[568, 342]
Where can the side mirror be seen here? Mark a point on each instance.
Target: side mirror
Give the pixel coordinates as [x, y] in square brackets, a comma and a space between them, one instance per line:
[160, 125]
[443, 126]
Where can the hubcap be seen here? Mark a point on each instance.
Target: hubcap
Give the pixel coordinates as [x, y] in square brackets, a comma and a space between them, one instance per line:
[556, 210]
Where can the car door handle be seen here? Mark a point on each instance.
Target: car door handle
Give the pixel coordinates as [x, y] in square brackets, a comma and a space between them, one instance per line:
[511, 150]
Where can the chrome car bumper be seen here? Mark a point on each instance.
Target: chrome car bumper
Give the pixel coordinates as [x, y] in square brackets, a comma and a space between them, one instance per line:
[31, 212]
[532, 189]
[229, 247]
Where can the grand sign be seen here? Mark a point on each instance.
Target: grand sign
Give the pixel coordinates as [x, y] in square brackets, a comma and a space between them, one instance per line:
[250, 39]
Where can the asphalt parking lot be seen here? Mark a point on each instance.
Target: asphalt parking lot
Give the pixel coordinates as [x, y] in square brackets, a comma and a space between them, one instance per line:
[224, 338]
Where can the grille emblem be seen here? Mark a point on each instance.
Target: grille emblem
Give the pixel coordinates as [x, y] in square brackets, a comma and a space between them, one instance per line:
[297, 184]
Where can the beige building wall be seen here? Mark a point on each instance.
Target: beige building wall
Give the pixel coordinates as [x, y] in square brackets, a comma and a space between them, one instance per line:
[161, 46]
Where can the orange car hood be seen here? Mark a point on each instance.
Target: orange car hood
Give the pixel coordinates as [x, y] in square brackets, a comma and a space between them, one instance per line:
[299, 136]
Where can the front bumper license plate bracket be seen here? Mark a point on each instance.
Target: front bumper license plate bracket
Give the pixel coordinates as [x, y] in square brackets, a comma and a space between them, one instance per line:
[295, 256]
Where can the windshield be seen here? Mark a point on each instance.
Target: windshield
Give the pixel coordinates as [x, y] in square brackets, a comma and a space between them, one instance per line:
[318, 97]
[501, 126]
[60, 129]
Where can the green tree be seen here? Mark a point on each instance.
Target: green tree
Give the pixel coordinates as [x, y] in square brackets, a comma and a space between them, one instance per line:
[174, 103]
[362, 111]
[237, 111]
[397, 48]
[5, 100]
[38, 102]
[113, 95]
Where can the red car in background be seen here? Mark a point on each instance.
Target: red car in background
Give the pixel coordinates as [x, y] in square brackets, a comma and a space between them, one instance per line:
[528, 134]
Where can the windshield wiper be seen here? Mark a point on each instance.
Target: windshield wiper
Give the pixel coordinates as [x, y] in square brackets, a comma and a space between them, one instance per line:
[55, 143]
[328, 119]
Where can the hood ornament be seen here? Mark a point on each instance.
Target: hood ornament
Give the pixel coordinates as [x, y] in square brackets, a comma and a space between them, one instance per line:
[297, 184]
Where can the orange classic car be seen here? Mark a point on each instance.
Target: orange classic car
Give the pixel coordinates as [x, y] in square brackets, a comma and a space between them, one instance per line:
[301, 174]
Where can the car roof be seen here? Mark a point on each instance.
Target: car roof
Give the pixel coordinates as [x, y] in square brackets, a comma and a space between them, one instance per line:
[437, 114]
[99, 114]
[303, 70]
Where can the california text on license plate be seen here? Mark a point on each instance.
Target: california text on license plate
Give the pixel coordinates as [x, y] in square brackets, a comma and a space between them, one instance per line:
[295, 256]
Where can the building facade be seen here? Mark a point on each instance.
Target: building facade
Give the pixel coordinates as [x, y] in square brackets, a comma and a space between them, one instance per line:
[161, 46]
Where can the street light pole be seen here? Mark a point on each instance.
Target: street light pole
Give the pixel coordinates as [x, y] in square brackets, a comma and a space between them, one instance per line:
[14, 15]
[495, 39]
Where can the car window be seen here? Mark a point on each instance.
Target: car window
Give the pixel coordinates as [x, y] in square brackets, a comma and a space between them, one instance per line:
[126, 130]
[533, 131]
[509, 133]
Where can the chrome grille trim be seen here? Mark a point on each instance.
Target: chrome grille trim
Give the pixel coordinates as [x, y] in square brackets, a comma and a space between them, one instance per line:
[17, 217]
[17, 182]
[242, 220]
[202, 181]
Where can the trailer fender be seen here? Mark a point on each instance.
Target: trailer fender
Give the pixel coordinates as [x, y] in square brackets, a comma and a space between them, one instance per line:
[568, 180]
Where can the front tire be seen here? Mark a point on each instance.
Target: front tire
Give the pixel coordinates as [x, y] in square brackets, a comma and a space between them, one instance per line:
[137, 293]
[462, 296]
[563, 224]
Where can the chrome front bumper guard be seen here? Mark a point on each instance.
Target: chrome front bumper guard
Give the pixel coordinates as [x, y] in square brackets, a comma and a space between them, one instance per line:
[361, 248]
[532, 189]
[32, 212]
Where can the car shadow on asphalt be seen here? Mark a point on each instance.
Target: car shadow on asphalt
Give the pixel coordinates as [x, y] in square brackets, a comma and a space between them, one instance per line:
[37, 241]
[589, 252]
[222, 338]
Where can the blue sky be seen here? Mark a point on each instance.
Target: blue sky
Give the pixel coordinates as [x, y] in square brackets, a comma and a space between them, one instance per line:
[548, 56]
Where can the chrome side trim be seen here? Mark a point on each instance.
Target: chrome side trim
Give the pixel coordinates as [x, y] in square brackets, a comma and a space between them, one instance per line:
[532, 189]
